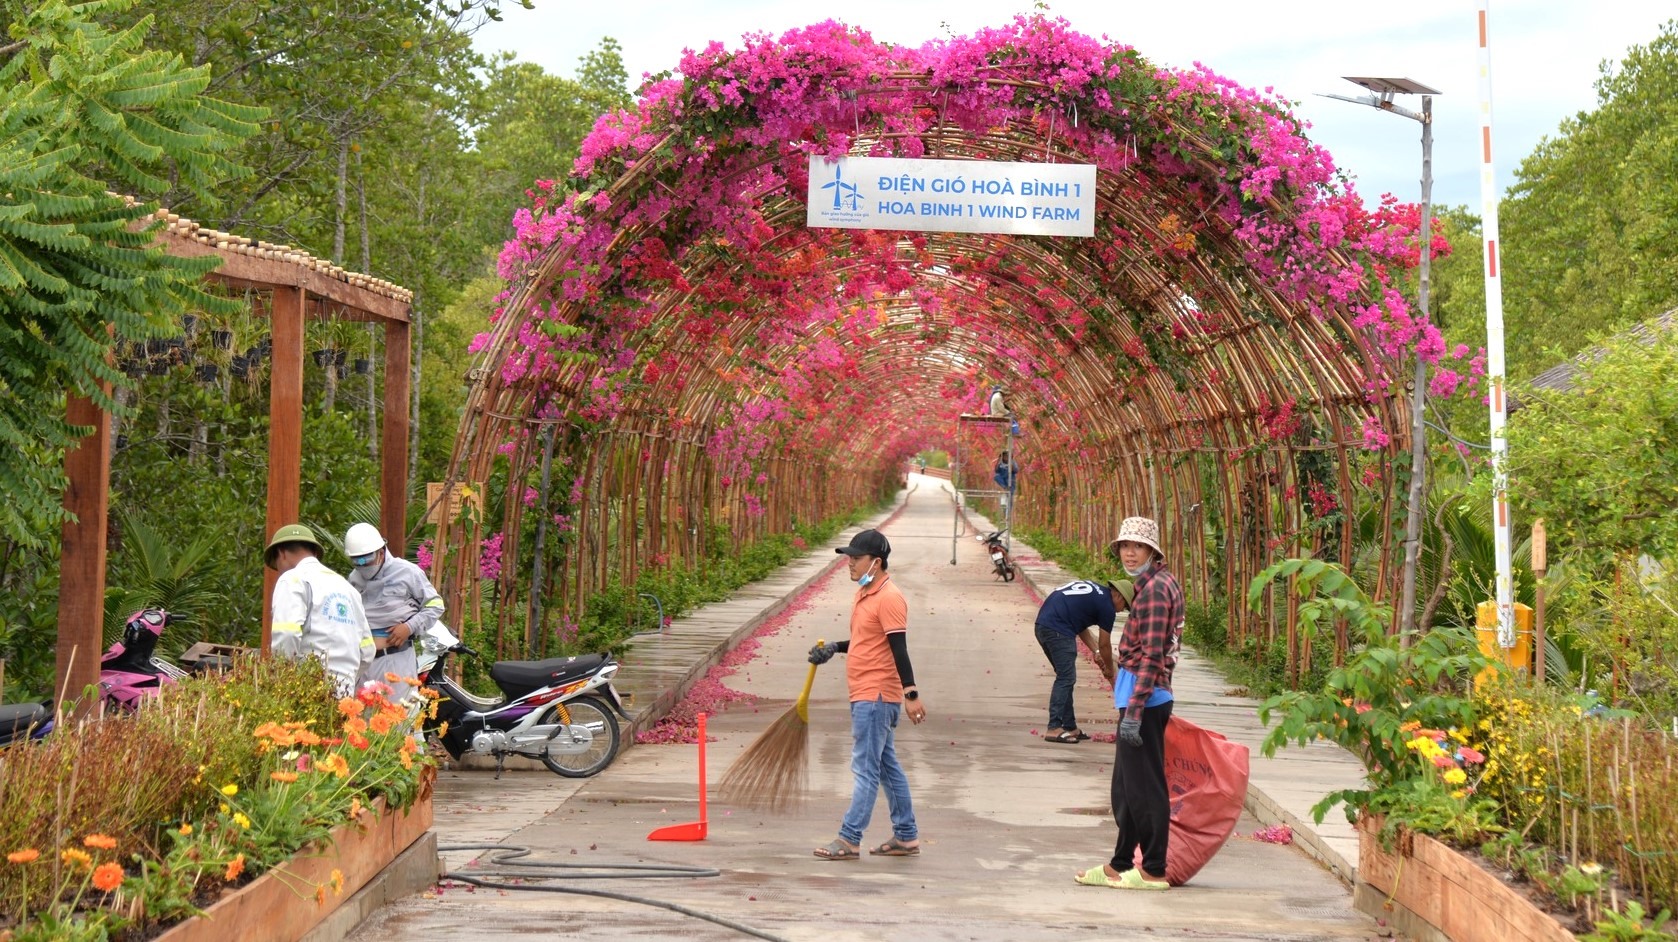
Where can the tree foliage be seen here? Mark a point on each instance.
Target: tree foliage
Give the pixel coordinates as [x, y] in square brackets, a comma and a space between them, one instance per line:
[84, 110]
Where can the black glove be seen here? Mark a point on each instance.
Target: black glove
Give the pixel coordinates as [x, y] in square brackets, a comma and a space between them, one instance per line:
[1130, 731]
[822, 653]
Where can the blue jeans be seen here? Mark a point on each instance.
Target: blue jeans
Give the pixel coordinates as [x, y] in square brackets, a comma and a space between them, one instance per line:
[1062, 651]
[874, 763]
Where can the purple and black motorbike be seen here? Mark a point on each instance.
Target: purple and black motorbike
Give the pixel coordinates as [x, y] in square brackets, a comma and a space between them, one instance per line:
[563, 711]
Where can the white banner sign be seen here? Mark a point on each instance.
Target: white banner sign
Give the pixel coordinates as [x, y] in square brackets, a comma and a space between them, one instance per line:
[952, 196]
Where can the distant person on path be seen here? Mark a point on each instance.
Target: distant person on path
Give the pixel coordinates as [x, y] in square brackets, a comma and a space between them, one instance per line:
[1076, 610]
[1142, 690]
[401, 606]
[882, 683]
[1006, 475]
[316, 612]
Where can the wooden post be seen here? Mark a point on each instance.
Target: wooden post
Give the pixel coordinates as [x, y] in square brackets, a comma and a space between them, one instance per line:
[393, 491]
[81, 595]
[285, 430]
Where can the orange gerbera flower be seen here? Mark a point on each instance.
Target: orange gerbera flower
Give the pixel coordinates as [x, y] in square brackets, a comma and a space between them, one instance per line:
[407, 760]
[107, 877]
[320, 894]
[306, 738]
[286, 777]
[26, 855]
[355, 724]
[381, 723]
[359, 741]
[349, 706]
[100, 842]
[235, 867]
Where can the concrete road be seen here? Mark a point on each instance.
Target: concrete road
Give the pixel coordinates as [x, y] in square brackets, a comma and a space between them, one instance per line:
[1006, 818]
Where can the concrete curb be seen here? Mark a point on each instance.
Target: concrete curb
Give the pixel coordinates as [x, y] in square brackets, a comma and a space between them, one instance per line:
[415, 870]
[1044, 576]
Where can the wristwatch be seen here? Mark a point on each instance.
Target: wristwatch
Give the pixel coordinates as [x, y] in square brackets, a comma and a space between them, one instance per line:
[911, 694]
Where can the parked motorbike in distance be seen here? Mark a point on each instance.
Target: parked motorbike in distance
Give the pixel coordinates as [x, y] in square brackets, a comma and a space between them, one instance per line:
[129, 673]
[560, 710]
[1001, 562]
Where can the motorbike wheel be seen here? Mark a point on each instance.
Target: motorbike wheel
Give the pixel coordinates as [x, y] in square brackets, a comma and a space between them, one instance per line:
[1007, 572]
[589, 712]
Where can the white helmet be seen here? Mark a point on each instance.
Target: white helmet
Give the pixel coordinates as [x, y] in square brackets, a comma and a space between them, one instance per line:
[363, 538]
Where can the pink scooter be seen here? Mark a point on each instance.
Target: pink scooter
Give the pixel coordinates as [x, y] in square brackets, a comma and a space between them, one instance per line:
[128, 673]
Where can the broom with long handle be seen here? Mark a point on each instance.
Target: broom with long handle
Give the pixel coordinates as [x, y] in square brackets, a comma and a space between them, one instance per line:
[769, 775]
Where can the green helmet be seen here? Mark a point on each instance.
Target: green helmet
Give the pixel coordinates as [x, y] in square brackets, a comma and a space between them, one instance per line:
[290, 533]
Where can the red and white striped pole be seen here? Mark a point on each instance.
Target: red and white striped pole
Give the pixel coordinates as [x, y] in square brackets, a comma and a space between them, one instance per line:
[1494, 348]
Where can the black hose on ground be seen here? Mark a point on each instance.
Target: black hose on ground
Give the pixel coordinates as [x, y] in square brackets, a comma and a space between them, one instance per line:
[514, 855]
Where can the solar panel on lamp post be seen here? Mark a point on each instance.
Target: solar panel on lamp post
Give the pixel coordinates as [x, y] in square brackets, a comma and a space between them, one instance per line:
[1382, 91]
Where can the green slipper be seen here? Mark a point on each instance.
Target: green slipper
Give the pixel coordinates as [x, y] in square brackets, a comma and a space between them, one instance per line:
[1132, 880]
[1096, 876]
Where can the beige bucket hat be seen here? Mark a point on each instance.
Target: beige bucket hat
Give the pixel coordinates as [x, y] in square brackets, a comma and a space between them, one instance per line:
[1137, 530]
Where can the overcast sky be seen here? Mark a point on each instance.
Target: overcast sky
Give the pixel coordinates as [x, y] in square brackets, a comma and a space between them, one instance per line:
[1545, 57]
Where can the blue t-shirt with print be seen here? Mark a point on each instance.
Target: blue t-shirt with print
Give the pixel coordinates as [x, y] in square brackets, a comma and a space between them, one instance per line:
[1077, 605]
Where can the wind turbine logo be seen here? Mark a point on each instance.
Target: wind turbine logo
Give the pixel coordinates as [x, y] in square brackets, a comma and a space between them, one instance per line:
[843, 192]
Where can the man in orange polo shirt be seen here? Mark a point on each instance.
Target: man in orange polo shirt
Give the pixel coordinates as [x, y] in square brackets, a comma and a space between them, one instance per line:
[882, 684]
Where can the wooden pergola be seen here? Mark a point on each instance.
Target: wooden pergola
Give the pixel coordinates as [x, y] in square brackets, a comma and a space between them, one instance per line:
[295, 287]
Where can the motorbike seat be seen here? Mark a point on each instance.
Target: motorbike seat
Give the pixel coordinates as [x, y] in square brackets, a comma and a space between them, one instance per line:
[517, 678]
[17, 717]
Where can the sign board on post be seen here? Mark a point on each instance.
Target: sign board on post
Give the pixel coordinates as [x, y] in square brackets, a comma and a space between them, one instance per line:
[1012, 198]
[437, 511]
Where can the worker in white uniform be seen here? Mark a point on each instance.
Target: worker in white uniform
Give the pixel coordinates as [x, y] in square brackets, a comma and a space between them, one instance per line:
[401, 605]
[316, 612]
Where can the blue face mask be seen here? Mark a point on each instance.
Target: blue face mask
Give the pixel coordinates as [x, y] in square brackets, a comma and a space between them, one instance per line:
[868, 576]
[1133, 573]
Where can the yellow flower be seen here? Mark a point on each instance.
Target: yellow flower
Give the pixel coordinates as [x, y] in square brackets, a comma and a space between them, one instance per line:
[240, 819]
[78, 857]
[186, 829]
[224, 808]
[1459, 794]
[1591, 869]
[230, 789]
[1455, 776]
[337, 882]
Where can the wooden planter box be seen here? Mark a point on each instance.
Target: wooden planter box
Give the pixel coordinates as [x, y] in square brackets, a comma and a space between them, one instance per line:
[1436, 893]
[280, 906]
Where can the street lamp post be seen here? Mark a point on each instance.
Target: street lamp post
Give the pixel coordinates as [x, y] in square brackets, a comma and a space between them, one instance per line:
[1382, 91]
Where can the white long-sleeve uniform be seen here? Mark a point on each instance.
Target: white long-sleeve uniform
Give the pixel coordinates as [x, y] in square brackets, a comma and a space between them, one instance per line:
[318, 614]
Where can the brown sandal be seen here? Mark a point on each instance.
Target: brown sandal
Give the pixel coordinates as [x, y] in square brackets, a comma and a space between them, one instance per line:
[896, 848]
[837, 849]
[1065, 735]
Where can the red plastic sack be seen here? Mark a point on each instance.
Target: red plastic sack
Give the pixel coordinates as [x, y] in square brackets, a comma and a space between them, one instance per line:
[1206, 776]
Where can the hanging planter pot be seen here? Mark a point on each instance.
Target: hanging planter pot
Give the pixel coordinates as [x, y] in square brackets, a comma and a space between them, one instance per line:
[341, 370]
[239, 368]
[322, 357]
[158, 367]
[207, 372]
[221, 339]
[184, 355]
[363, 366]
[189, 323]
[339, 356]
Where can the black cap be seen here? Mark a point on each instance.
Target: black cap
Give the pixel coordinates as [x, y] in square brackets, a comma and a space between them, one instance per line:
[867, 543]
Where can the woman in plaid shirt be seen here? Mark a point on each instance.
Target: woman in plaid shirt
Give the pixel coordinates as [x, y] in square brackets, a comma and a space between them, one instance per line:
[1146, 657]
